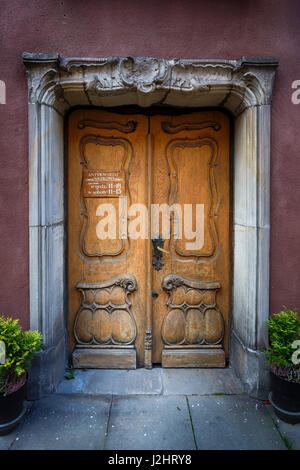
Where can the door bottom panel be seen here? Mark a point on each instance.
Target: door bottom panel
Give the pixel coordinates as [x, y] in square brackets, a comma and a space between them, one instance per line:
[110, 358]
[192, 357]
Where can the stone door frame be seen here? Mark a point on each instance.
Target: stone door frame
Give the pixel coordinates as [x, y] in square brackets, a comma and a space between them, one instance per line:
[242, 87]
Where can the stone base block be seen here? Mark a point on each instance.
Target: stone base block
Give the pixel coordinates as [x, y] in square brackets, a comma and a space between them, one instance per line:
[212, 357]
[88, 358]
[251, 368]
[47, 370]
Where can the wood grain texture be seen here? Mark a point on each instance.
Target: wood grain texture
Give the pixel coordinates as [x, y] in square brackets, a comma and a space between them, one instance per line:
[175, 160]
[101, 140]
[193, 358]
[104, 358]
[191, 165]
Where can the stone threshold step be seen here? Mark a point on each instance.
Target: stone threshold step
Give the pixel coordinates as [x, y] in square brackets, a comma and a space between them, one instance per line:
[157, 381]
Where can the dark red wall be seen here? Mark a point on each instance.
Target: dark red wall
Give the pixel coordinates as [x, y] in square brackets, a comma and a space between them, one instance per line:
[157, 28]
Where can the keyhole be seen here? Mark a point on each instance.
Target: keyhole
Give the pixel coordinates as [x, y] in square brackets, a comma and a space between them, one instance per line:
[155, 294]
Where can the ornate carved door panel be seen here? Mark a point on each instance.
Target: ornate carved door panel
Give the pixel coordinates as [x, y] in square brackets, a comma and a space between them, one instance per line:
[136, 299]
[106, 174]
[191, 173]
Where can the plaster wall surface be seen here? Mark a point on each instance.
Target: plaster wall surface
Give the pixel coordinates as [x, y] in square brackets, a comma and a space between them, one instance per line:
[170, 28]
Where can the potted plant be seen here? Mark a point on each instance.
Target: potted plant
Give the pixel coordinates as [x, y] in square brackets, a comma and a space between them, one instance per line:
[283, 355]
[18, 348]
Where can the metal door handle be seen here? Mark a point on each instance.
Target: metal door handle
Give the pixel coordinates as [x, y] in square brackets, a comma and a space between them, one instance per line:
[163, 250]
[158, 243]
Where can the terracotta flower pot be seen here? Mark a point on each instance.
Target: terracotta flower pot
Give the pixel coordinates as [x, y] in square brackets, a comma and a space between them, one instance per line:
[12, 409]
[285, 398]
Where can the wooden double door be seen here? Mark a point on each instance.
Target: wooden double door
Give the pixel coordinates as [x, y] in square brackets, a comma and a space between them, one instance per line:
[148, 239]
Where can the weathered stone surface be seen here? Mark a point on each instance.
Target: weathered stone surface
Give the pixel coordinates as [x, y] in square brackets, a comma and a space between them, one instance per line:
[233, 423]
[83, 422]
[244, 273]
[200, 382]
[64, 422]
[56, 81]
[46, 371]
[245, 197]
[290, 432]
[7, 440]
[150, 423]
[251, 368]
[156, 381]
[115, 382]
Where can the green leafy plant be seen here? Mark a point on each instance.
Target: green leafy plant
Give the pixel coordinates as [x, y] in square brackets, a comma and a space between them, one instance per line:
[284, 329]
[70, 373]
[20, 349]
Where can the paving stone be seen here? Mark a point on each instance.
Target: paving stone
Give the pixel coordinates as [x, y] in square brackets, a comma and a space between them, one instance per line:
[116, 382]
[155, 423]
[291, 432]
[148, 410]
[233, 423]
[200, 381]
[79, 383]
[153, 382]
[7, 440]
[65, 422]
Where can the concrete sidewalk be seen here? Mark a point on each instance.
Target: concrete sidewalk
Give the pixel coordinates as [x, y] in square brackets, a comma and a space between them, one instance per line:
[158, 409]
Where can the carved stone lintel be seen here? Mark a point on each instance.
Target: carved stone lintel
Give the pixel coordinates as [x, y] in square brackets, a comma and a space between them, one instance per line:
[143, 73]
[236, 83]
